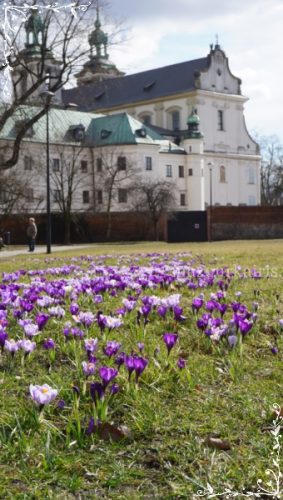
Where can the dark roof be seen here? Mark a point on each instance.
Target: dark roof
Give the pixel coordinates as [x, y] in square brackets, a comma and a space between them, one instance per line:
[151, 84]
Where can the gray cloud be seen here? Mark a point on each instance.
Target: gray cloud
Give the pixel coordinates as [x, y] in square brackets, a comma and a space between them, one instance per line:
[180, 9]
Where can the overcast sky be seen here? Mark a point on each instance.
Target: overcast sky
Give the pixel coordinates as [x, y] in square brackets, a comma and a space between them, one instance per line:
[162, 32]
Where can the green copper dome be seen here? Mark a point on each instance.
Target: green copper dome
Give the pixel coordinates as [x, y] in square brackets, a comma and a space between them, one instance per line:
[193, 123]
[98, 37]
[34, 26]
[193, 118]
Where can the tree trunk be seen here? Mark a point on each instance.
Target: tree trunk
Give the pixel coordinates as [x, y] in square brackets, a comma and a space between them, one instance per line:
[67, 230]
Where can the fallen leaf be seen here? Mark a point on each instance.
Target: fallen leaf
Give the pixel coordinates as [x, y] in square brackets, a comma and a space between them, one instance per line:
[109, 432]
[220, 444]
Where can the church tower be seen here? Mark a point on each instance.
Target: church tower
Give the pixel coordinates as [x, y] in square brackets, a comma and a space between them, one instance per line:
[35, 62]
[98, 67]
[193, 143]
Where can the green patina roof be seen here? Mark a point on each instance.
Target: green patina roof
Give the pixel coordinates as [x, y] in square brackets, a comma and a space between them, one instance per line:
[100, 130]
[121, 129]
[193, 118]
[60, 121]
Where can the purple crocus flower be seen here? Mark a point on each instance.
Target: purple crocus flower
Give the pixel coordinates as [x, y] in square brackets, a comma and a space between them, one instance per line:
[74, 309]
[114, 388]
[178, 313]
[197, 303]
[11, 346]
[140, 346]
[97, 391]
[129, 364]
[41, 320]
[107, 374]
[42, 394]
[86, 318]
[274, 350]
[101, 320]
[120, 359]
[245, 326]
[145, 310]
[27, 345]
[48, 344]
[181, 363]
[3, 338]
[162, 310]
[232, 340]
[91, 426]
[31, 330]
[61, 404]
[90, 345]
[111, 348]
[170, 340]
[140, 364]
[281, 323]
[88, 368]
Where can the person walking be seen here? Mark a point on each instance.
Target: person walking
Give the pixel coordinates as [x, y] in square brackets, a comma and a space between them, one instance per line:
[31, 234]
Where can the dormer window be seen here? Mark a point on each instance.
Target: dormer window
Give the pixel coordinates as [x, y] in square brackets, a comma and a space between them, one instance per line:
[141, 132]
[78, 132]
[105, 133]
[149, 86]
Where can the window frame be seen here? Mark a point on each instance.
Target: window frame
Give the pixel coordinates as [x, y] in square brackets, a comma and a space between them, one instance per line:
[122, 195]
[86, 197]
[84, 166]
[121, 163]
[56, 164]
[148, 163]
[169, 171]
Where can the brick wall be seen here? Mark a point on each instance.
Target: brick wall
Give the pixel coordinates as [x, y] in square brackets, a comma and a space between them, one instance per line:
[230, 223]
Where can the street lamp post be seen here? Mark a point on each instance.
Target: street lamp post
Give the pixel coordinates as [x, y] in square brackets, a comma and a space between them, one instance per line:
[47, 95]
[210, 165]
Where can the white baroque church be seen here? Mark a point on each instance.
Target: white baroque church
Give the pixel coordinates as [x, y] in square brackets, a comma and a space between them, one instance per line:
[183, 123]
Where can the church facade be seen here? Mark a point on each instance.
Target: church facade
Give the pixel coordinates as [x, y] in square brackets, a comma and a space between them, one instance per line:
[181, 125]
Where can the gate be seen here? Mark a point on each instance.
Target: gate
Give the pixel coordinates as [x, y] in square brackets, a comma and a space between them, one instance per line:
[187, 226]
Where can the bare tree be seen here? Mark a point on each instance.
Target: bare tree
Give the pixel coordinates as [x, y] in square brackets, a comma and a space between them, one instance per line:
[155, 198]
[271, 170]
[58, 51]
[70, 184]
[114, 173]
[17, 194]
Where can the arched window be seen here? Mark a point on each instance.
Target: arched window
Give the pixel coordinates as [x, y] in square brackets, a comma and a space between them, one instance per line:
[222, 171]
[174, 118]
[146, 118]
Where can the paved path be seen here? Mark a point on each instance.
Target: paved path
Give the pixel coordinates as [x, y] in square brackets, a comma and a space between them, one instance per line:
[11, 252]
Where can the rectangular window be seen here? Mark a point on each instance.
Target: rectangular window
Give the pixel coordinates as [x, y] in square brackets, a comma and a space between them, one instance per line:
[85, 196]
[99, 196]
[148, 163]
[56, 195]
[168, 170]
[98, 165]
[27, 163]
[56, 165]
[251, 175]
[175, 120]
[182, 199]
[190, 172]
[122, 196]
[220, 119]
[251, 200]
[29, 194]
[121, 163]
[84, 166]
[4, 197]
[181, 171]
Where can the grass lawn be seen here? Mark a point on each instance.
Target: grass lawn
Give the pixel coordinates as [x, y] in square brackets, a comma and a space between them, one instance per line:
[163, 363]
